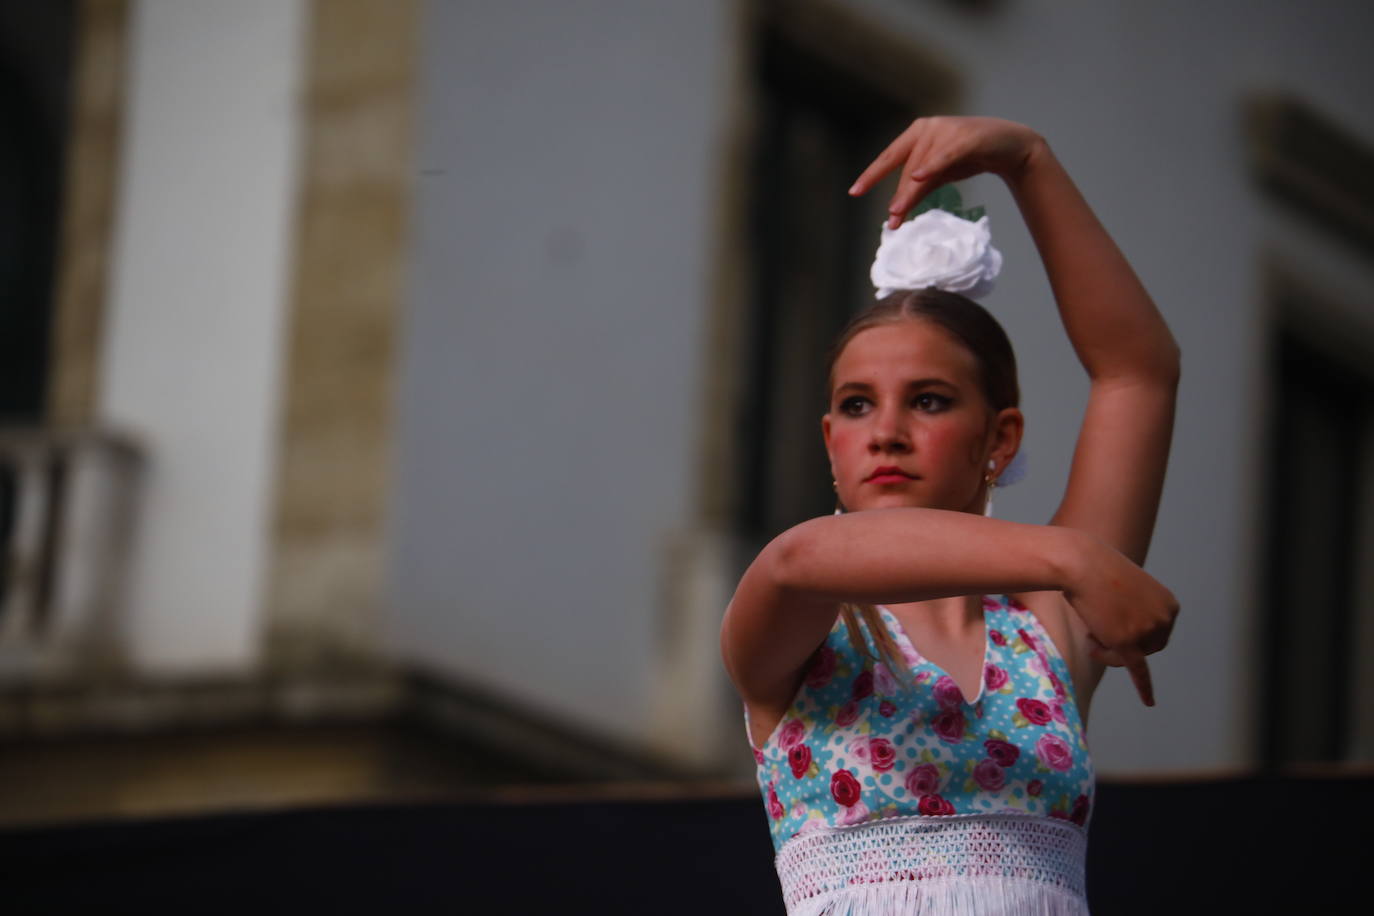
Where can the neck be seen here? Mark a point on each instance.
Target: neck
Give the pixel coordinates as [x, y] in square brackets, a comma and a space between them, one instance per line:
[949, 615]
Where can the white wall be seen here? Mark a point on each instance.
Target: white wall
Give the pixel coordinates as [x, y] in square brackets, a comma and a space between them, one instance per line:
[566, 178]
[195, 318]
[551, 358]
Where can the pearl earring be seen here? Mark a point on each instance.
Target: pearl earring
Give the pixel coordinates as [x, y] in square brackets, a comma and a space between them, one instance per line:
[991, 483]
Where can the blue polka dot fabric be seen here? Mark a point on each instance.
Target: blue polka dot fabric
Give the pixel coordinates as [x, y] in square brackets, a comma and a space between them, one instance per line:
[861, 742]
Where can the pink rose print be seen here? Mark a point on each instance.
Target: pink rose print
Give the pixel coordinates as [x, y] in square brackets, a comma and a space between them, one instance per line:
[990, 604]
[947, 693]
[1016, 605]
[883, 680]
[911, 655]
[934, 805]
[1003, 752]
[858, 748]
[997, 638]
[989, 775]
[1034, 787]
[949, 725]
[1081, 807]
[793, 731]
[844, 788]
[823, 669]
[924, 780]
[1058, 685]
[887, 708]
[994, 677]
[863, 685]
[847, 714]
[922, 676]
[798, 808]
[854, 814]
[775, 808]
[1029, 640]
[758, 756]
[1054, 753]
[1057, 710]
[883, 754]
[1035, 711]
[799, 758]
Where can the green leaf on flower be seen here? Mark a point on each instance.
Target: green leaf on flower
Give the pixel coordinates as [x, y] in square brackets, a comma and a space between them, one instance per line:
[946, 197]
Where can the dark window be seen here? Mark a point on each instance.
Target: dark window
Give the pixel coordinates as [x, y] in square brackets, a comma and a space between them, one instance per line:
[817, 127]
[1322, 413]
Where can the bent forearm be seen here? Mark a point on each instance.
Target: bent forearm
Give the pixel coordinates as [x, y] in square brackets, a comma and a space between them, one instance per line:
[1110, 318]
[892, 556]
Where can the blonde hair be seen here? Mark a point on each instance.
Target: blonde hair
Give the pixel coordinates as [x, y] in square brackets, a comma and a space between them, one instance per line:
[888, 650]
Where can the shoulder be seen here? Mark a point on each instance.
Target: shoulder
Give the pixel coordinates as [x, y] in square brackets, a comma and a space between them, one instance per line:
[1070, 637]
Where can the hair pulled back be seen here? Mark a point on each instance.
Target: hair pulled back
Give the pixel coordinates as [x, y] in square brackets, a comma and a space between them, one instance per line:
[963, 319]
[970, 325]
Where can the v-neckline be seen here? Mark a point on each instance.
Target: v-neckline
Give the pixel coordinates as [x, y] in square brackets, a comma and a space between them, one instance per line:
[902, 637]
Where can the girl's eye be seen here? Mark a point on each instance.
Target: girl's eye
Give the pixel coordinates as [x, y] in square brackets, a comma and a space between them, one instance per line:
[931, 402]
[853, 406]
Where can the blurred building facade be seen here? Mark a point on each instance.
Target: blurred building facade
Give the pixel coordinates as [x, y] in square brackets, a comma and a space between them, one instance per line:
[474, 347]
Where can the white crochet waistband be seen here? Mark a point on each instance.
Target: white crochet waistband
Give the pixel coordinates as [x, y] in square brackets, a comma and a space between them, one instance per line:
[998, 863]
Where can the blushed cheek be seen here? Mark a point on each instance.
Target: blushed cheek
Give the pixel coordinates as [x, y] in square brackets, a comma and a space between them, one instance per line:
[841, 446]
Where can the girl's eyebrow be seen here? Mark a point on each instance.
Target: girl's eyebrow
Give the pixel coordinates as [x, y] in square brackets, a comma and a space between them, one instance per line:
[865, 387]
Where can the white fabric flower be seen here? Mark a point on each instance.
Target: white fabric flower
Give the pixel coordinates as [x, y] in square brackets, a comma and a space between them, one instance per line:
[937, 249]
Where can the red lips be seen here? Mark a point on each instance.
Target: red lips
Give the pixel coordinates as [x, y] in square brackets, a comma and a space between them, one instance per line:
[891, 472]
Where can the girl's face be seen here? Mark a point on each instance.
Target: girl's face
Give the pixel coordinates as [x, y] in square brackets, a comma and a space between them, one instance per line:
[908, 424]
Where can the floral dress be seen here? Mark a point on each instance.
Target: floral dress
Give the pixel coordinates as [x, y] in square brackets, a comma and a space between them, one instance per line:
[892, 792]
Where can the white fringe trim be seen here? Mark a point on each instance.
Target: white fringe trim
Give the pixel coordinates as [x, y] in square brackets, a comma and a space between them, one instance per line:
[937, 866]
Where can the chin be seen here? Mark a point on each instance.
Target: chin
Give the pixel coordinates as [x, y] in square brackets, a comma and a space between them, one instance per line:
[889, 501]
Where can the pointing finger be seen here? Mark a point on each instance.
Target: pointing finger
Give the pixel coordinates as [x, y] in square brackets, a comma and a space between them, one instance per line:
[887, 160]
[1140, 676]
[1133, 662]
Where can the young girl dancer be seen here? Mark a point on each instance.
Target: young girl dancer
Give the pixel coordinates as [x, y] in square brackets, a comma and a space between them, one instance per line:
[916, 676]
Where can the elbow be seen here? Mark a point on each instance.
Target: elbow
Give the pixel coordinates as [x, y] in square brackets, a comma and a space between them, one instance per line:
[1170, 363]
[1158, 367]
[788, 558]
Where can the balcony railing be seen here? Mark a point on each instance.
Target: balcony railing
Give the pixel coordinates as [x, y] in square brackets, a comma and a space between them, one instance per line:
[67, 505]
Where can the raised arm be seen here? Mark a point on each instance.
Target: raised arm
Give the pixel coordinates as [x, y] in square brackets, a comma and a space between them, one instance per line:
[789, 597]
[1120, 338]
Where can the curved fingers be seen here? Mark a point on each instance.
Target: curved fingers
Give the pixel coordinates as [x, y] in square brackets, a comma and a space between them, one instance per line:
[916, 181]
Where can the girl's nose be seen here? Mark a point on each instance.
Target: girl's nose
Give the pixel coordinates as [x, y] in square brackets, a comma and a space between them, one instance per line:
[888, 433]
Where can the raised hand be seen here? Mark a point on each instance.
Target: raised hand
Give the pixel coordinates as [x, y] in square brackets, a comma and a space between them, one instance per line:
[936, 151]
